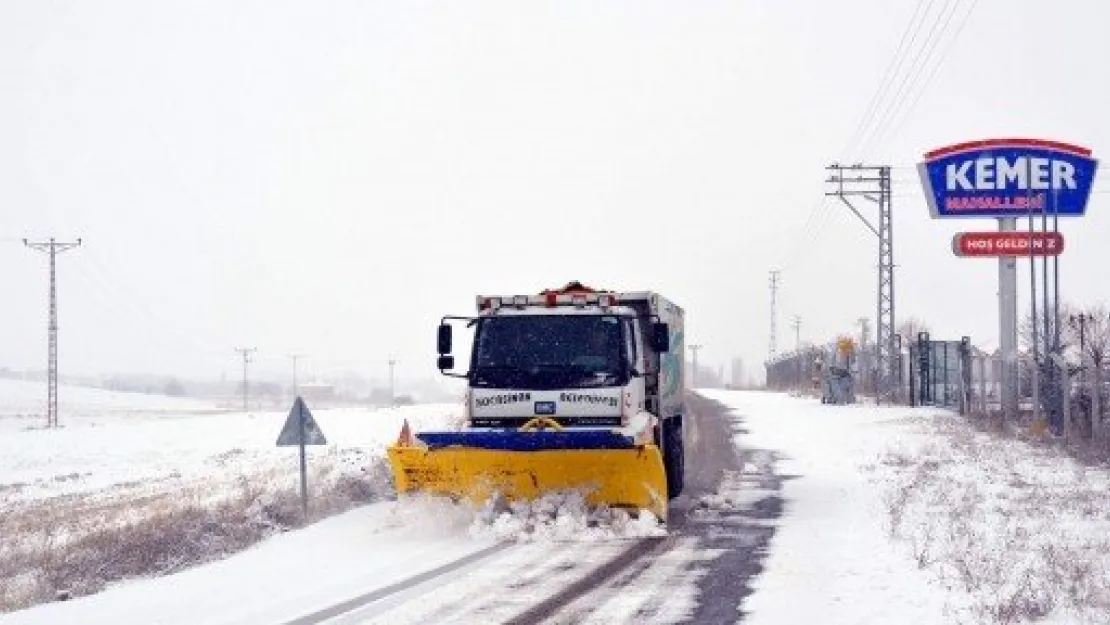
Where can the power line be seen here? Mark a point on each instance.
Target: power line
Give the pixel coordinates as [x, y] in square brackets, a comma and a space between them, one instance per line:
[923, 55]
[53, 248]
[933, 72]
[820, 211]
[895, 64]
[810, 230]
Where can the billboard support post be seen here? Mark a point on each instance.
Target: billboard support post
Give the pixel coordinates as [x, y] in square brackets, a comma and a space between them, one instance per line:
[1007, 325]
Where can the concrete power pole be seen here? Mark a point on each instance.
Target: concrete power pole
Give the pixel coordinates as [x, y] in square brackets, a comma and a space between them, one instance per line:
[53, 248]
[295, 358]
[772, 346]
[246, 353]
[873, 184]
[864, 358]
[392, 387]
[798, 351]
[694, 357]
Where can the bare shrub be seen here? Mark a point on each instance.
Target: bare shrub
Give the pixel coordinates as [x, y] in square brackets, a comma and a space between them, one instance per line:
[75, 545]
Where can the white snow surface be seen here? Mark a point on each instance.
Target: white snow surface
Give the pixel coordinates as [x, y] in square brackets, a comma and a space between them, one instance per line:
[109, 439]
[284, 577]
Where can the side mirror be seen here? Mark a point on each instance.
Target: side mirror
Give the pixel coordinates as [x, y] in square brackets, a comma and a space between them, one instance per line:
[660, 338]
[445, 363]
[443, 340]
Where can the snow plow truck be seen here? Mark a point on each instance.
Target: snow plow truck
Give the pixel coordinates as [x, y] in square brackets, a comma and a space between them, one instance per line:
[571, 389]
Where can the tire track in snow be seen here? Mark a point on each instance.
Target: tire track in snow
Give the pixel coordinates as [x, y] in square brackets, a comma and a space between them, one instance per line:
[646, 593]
[504, 586]
[613, 567]
[340, 609]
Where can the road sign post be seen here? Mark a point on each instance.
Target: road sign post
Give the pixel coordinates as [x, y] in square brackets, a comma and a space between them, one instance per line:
[300, 429]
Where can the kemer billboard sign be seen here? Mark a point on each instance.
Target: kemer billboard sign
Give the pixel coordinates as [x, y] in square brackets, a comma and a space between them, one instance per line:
[1008, 178]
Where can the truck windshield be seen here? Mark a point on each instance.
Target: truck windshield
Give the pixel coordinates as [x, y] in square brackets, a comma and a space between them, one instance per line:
[548, 352]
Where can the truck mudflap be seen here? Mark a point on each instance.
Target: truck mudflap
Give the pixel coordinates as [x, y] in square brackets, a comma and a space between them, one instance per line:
[522, 465]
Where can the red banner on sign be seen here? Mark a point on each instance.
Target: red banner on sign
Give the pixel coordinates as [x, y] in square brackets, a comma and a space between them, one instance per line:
[1014, 243]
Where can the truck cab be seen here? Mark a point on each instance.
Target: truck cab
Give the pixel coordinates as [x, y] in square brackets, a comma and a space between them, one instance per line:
[577, 358]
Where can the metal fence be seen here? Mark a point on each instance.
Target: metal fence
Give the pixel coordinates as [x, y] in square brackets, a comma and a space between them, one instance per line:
[1069, 399]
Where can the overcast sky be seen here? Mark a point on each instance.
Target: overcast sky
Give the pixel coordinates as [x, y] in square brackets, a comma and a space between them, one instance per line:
[331, 177]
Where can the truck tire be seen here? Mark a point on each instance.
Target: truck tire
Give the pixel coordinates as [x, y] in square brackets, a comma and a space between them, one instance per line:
[674, 456]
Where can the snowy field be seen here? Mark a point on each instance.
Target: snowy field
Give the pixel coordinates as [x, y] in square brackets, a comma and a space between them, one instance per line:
[111, 439]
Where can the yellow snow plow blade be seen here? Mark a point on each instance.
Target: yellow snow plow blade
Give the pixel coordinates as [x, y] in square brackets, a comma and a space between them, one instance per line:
[631, 477]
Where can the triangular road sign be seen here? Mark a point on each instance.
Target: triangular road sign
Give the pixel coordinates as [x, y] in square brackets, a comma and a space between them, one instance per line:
[291, 431]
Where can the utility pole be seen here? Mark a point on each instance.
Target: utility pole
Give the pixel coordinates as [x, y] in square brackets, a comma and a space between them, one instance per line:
[773, 347]
[864, 359]
[392, 388]
[294, 358]
[246, 353]
[872, 182]
[53, 248]
[797, 351]
[694, 356]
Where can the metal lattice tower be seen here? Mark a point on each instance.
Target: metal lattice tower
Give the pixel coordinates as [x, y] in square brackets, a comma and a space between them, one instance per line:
[872, 182]
[772, 347]
[53, 248]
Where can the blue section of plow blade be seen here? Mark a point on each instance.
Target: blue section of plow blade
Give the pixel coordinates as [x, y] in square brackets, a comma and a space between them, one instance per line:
[515, 440]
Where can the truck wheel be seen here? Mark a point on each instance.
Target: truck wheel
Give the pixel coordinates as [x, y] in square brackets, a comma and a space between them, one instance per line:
[674, 456]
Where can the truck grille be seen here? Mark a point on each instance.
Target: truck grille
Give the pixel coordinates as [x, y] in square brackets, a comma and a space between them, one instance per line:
[515, 422]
